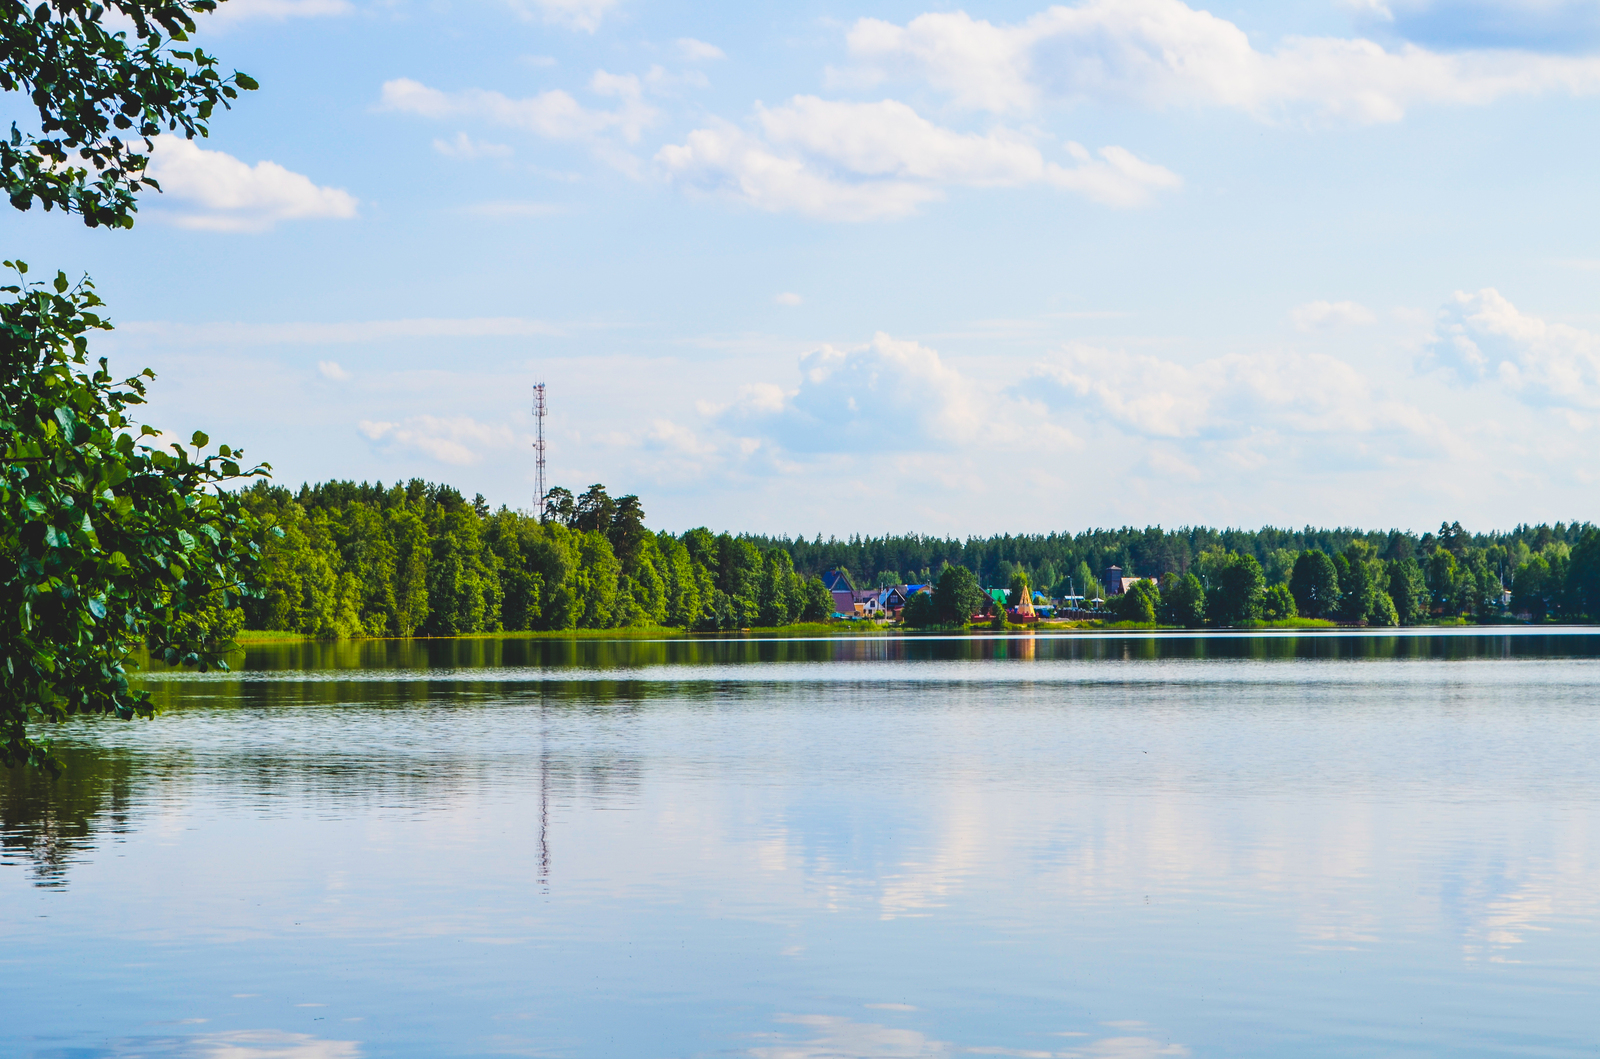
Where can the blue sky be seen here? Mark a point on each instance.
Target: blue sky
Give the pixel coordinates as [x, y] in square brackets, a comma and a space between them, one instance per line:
[902, 266]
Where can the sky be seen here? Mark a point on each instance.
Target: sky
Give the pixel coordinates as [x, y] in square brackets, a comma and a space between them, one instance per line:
[890, 267]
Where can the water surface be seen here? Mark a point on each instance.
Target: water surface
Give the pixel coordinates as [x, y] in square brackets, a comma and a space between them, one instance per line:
[1261, 845]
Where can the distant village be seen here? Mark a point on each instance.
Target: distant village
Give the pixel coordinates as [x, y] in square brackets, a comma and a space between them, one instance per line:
[888, 604]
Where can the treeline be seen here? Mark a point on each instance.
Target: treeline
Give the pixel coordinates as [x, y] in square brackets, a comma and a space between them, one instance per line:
[343, 560]
[1358, 586]
[1465, 573]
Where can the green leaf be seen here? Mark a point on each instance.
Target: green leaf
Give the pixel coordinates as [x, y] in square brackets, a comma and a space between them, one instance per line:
[199, 440]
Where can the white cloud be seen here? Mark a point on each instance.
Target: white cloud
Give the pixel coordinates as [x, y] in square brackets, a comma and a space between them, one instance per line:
[330, 369]
[274, 11]
[460, 441]
[267, 1044]
[1164, 53]
[1230, 396]
[554, 114]
[1323, 316]
[788, 298]
[833, 1036]
[585, 15]
[468, 149]
[722, 160]
[698, 50]
[890, 395]
[869, 161]
[252, 334]
[1482, 335]
[232, 196]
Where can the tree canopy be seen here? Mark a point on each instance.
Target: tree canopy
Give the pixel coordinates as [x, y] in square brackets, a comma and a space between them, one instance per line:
[105, 542]
[101, 100]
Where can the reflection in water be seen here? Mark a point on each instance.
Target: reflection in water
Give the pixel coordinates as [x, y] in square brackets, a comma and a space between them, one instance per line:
[49, 822]
[237, 1044]
[835, 1037]
[443, 656]
[1226, 836]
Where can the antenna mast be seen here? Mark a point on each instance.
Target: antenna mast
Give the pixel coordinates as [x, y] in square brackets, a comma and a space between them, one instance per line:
[538, 446]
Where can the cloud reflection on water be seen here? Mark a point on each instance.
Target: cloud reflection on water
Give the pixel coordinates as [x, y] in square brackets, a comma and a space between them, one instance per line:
[233, 1044]
[837, 1037]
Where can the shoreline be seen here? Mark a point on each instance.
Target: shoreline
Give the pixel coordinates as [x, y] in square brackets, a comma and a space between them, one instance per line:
[250, 638]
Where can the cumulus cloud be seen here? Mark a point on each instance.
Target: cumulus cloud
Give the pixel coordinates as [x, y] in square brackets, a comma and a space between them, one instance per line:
[869, 161]
[1163, 53]
[227, 195]
[788, 298]
[1328, 316]
[274, 11]
[470, 150]
[460, 441]
[1482, 336]
[1229, 396]
[267, 1044]
[330, 369]
[890, 395]
[583, 15]
[832, 1036]
[698, 50]
[555, 114]
[722, 160]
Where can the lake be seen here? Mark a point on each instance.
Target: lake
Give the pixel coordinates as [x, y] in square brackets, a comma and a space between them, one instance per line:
[1090, 846]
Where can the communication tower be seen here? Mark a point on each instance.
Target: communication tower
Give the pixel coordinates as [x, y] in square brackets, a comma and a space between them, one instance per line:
[538, 446]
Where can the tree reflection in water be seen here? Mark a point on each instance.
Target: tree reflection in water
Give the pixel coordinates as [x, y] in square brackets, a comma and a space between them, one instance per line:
[48, 823]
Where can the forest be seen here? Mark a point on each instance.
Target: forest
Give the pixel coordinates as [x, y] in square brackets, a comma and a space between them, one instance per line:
[343, 559]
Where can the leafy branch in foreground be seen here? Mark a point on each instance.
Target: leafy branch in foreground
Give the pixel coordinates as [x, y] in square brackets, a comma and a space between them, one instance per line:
[98, 95]
[106, 543]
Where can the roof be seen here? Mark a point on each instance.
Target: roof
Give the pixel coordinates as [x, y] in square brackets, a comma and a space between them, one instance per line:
[837, 581]
[998, 594]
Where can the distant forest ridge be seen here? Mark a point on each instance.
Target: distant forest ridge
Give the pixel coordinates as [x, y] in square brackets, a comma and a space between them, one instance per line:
[1149, 552]
[418, 558]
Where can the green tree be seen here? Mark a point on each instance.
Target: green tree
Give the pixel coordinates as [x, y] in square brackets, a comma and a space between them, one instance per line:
[1018, 592]
[1408, 591]
[1314, 582]
[817, 601]
[1533, 588]
[1583, 576]
[1183, 600]
[1087, 584]
[1237, 592]
[99, 96]
[104, 542]
[918, 613]
[1278, 604]
[780, 600]
[1139, 603]
[1442, 580]
[957, 596]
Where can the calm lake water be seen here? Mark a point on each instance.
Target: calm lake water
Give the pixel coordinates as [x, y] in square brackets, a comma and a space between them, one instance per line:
[1096, 847]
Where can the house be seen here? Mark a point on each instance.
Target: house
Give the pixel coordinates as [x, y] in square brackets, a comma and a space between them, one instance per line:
[838, 586]
[1117, 584]
[892, 600]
